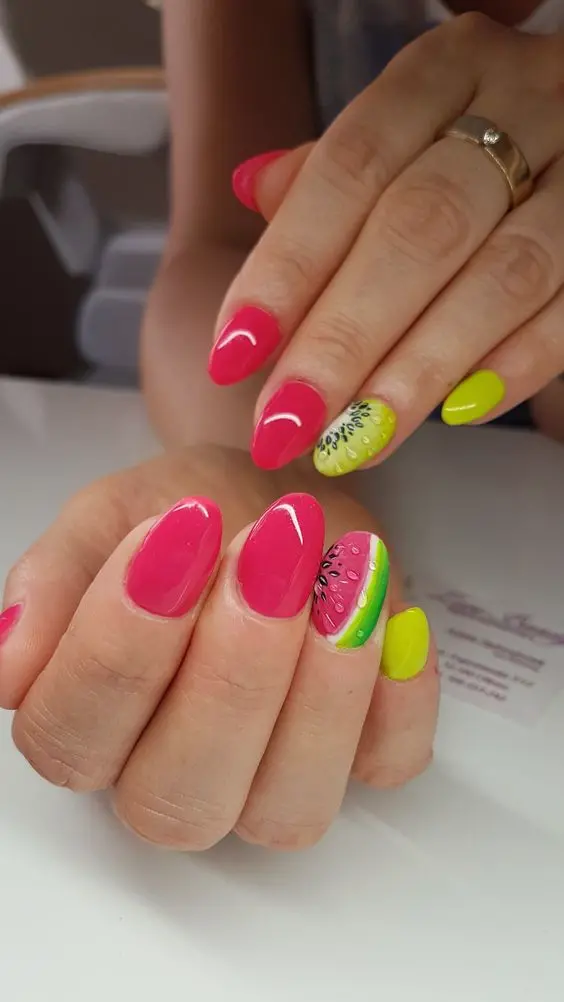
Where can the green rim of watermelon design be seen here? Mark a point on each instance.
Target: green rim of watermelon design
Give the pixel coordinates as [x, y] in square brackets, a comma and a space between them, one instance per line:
[361, 627]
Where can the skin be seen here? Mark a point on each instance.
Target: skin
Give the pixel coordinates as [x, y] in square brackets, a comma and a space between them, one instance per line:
[107, 696]
[209, 242]
[420, 238]
[59, 671]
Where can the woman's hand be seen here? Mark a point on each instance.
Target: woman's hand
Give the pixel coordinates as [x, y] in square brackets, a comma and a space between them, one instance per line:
[392, 268]
[202, 687]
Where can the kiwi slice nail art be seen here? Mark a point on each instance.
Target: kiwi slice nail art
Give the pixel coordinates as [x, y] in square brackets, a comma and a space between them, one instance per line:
[355, 437]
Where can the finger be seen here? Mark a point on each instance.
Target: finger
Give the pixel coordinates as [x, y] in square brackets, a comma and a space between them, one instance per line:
[273, 181]
[518, 368]
[81, 719]
[302, 778]
[547, 409]
[428, 224]
[189, 777]
[397, 738]
[514, 275]
[341, 180]
[44, 588]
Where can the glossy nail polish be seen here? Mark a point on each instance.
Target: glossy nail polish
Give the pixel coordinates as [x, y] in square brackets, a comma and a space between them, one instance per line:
[8, 620]
[171, 568]
[245, 177]
[359, 434]
[351, 589]
[279, 561]
[474, 398]
[289, 425]
[406, 645]
[244, 345]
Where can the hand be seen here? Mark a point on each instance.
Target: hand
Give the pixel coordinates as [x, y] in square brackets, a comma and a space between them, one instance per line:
[392, 268]
[197, 685]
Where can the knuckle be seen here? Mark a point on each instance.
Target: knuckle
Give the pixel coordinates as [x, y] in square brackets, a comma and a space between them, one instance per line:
[54, 751]
[107, 670]
[520, 268]
[286, 836]
[473, 25]
[352, 161]
[288, 269]
[426, 219]
[244, 692]
[340, 344]
[184, 822]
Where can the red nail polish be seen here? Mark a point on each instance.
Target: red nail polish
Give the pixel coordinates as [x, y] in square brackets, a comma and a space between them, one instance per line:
[279, 562]
[244, 345]
[245, 176]
[171, 568]
[290, 423]
[8, 620]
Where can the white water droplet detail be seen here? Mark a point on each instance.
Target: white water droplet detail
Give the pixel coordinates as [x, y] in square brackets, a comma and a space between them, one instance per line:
[351, 453]
[338, 468]
[333, 587]
[376, 420]
[355, 550]
[362, 600]
[372, 565]
[365, 440]
[360, 634]
[352, 576]
[339, 607]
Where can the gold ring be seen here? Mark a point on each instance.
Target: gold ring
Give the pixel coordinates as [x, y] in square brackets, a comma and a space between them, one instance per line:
[500, 148]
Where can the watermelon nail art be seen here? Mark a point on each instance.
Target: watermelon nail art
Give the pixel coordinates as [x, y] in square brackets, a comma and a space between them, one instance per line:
[350, 590]
[355, 437]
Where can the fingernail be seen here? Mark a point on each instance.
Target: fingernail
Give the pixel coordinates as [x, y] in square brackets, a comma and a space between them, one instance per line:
[171, 568]
[406, 645]
[244, 345]
[473, 398]
[355, 437]
[289, 425]
[280, 559]
[245, 176]
[8, 620]
[350, 590]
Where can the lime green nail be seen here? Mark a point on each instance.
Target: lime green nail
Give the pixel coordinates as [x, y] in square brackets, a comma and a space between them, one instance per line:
[474, 398]
[406, 645]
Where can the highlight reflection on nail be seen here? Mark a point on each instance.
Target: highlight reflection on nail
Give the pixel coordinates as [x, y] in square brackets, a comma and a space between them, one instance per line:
[362, 431]
[351, 589]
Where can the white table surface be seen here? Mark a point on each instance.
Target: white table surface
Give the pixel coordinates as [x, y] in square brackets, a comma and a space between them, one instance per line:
[451, 890]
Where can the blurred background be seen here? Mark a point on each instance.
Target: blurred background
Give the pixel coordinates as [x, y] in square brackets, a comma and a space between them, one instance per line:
[80, 228]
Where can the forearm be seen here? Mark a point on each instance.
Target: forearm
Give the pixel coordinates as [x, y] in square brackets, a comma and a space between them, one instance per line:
[186, 408]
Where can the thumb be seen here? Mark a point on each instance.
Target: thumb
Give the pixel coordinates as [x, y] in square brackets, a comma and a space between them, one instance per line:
[273, 181]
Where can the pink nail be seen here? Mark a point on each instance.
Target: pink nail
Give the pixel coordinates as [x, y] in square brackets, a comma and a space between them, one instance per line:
[290, 423]
[245, 177]
[171, 568]
[279, 561]
[8, 620]
[244, 345]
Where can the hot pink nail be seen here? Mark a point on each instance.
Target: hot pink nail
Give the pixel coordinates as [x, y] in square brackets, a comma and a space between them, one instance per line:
[279, 561]
[290, 424]
[244, 345]
[244, 177]
[8, 620]
[171, 568]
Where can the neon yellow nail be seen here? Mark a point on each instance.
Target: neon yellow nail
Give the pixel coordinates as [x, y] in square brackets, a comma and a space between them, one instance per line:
[474, 398]
[406, 645]
[355, 437]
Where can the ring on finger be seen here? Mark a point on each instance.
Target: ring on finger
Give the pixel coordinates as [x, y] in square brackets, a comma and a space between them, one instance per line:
[500, 148]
